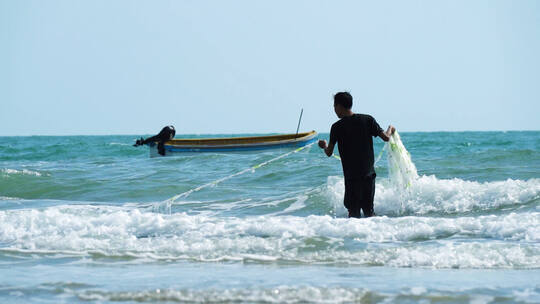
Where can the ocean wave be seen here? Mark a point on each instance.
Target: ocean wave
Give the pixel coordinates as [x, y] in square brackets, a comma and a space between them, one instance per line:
[397, 242]
[305, 293]
[7, 172]
[310, 294]
[281, 294]
[119, 144]
[429, 194]
[8, 198]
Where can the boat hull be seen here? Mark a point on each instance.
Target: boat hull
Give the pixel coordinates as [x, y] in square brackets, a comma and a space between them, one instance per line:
[234, 144]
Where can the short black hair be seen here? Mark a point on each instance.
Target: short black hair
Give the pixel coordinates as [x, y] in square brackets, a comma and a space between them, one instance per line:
[344, 99]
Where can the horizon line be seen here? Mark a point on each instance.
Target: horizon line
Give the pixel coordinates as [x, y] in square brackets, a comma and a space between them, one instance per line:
[258, 133]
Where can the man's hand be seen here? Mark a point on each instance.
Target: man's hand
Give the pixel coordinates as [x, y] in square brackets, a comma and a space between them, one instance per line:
[389, 132]
[328, 150]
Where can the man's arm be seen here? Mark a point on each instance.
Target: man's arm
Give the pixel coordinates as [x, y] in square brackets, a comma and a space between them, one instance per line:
[328, 149]
[386, 135]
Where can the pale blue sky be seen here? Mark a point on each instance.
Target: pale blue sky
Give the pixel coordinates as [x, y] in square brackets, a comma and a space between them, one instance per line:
[131, 67]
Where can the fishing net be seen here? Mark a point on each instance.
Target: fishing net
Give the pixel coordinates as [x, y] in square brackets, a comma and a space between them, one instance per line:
[402, 171]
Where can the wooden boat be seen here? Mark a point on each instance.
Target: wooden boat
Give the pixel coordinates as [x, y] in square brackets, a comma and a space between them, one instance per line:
[235, 144]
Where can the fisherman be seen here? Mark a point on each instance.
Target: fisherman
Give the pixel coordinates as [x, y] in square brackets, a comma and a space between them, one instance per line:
[167, 133]
[353, 134]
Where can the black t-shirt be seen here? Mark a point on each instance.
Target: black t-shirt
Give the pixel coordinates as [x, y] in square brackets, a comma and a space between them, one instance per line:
[353, 135]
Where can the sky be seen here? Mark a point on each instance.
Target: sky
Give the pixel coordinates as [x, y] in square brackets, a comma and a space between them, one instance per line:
[221, 67]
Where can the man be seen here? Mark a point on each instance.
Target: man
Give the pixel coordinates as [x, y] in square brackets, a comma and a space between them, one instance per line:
[353, 134]
[167, 133]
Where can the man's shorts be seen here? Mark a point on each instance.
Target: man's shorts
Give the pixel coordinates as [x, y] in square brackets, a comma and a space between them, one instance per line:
[359, 194]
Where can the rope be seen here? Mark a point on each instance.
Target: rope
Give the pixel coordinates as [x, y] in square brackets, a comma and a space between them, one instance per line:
[173, 199]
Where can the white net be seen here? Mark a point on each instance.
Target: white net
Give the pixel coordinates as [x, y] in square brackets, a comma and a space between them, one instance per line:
[402, 171]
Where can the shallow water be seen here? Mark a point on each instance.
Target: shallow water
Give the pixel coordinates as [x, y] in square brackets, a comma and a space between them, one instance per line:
[79, 223]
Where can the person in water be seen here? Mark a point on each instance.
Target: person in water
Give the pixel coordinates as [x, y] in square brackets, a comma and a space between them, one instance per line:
[167, 133]
[353, 133]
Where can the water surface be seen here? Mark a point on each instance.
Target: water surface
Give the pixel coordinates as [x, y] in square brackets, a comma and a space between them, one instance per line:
[79, 223]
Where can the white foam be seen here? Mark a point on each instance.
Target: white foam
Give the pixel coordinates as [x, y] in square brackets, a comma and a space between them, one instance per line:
[8, 198]
[448, 196]
[8, 171]
[118, 144]
[301, 294]
[401, 242]
[299, 203]
[280, 294]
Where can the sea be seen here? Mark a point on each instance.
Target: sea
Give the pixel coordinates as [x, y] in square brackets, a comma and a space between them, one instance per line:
[90, 219]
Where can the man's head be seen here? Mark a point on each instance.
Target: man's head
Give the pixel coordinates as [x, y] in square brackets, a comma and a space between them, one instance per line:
[342, 104]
